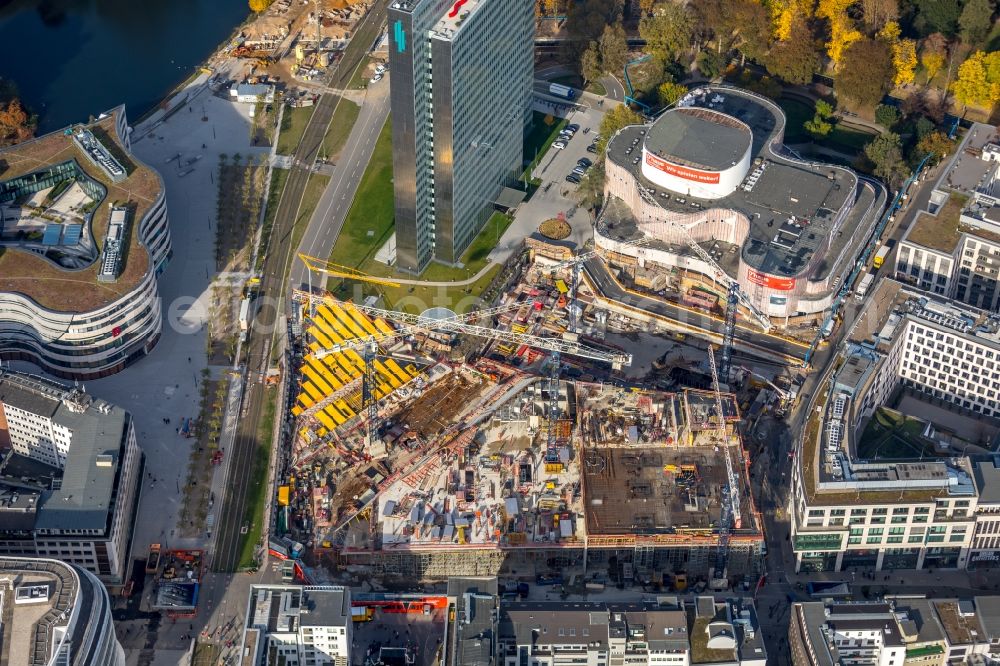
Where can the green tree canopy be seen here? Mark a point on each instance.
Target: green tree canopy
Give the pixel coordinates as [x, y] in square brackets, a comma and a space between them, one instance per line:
[796, 59]
[613, 48]
[590, 63]
[937, 16]
[668, 31]
[866, 73]
[975, 21]
[886, 116]
[618, 117]
[886, 153]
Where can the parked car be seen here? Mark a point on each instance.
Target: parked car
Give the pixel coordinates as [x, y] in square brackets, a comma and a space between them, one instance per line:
[592, 148]
[573, 127]
[580, 170]
[573, 178]
[558, 145]
[584, 162]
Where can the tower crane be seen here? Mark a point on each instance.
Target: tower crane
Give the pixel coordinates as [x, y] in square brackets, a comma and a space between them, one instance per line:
[731, 517]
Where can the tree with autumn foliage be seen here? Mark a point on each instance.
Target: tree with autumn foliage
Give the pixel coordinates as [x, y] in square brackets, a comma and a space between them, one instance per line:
[843, 32]
[258, 6]
[933, 54]
[937, 144]
[978, 80]
[904, 53]
[16, 124]
[667, 31]
[877, 13]
[616, 118]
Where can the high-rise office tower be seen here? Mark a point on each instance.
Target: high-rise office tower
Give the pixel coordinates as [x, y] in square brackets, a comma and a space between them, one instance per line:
[462, 73]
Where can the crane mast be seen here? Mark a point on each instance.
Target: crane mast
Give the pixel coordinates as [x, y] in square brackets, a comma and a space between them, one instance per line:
[731, 517]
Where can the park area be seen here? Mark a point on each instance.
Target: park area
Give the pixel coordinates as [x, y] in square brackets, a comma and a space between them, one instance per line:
[849, 141]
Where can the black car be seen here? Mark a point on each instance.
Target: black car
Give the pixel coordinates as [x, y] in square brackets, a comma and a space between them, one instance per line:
[573, 178]
[592, 148]
[573, 127]
[585, 162]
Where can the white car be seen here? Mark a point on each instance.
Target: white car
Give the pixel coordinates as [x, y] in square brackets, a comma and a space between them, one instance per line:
[558, 145]
[376, 78]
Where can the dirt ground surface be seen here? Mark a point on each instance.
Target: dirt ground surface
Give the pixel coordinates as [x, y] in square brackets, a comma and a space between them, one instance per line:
[434, 410]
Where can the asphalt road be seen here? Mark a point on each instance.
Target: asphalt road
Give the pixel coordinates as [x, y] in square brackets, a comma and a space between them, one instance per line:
[328, 218]
[745, 339]
[277, 260]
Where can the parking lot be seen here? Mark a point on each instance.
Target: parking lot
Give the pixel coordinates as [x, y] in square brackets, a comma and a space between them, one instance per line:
[555, 195]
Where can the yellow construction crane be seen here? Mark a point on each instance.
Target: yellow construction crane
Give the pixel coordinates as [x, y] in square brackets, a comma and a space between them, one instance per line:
[331, 269]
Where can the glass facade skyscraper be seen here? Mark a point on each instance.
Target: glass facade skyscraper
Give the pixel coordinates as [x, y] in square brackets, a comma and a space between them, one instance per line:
[462, 73]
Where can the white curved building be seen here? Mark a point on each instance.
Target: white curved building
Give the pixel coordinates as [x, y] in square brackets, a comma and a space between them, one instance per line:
[788, 230]
[84, 236]
[55, 614]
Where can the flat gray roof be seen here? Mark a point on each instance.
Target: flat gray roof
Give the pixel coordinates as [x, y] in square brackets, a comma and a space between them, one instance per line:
[699, 137]
[987, 476]
[787, 189]
[325, 607]
[83, 500]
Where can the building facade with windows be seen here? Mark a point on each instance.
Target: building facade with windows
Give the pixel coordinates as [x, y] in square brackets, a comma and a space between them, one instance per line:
[952, 248]
[55, 613]
[84, 237]
[462, 74]
[69, 477]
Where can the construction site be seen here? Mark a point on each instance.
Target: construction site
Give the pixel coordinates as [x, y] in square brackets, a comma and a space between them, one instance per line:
[297, 40]
[502, 443]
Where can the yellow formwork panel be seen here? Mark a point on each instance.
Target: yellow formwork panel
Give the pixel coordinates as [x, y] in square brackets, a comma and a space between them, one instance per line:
[383, 327]
[334, 414]
[320, 367]
[296, 410]
[412, 370]
[325, 420]
[361, 319]
[322, 340]
[354, 402]
[322, 324]
[333, 320]
[345, 408]
[387, 374]
[396, 370]
[311, 372]
[331, 363]
[348, 321]
[348, 366]
[321, 432]
[306, 401]
[312, 391]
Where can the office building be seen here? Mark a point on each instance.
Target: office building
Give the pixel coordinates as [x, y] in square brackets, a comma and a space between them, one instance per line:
[55, 614]
[83, 237]
[896, 631]
[292, 625]
[69, 476]
[462, 74]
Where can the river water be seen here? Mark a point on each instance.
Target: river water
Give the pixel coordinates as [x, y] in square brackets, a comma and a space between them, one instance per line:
[74, 58]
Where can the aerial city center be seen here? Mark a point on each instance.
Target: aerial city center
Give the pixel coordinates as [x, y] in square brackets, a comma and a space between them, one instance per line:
[500, 333]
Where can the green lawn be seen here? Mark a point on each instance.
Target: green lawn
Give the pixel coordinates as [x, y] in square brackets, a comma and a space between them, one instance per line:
[369, 221]
[848, 140]
[340, 127]
[796, 113]
[360, 77]
[540, 137]
[310, 199]
[597, 88]
[253, 511]
[369, 224]
[293, 124]
[278, 178]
